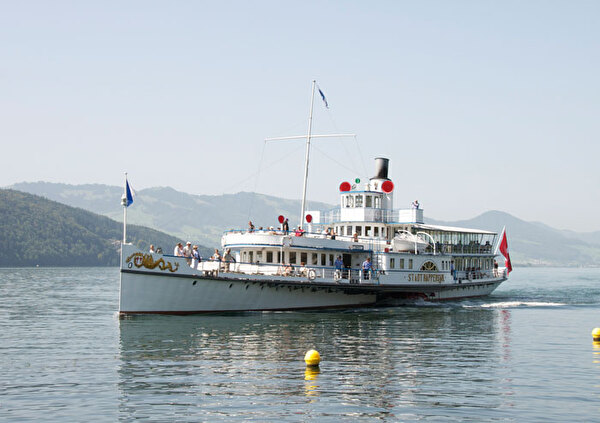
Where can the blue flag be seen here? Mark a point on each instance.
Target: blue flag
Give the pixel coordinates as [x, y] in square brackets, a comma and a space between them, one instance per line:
[324, 99]
[128, 194]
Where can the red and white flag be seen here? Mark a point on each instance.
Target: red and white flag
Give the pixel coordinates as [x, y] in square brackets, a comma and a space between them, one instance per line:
[503, 247]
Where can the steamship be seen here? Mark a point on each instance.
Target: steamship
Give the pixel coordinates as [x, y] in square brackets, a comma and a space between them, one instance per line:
[363, 253]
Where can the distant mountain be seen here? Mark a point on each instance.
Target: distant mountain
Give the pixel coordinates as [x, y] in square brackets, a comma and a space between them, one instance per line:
[202, 219]
[37, 231]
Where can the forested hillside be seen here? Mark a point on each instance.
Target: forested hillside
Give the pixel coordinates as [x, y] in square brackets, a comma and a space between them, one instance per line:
[37, 231]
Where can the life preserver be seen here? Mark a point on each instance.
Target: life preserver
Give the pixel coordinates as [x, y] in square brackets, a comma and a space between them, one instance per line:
[311, 274]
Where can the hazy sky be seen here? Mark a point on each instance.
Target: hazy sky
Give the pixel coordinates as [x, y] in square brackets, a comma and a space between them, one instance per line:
[480, 105]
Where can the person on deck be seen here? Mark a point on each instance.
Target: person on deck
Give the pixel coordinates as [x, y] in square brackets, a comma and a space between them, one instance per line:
[227, 260]
[151, 249]
[415, 204]
[187, 252]
[367, 267]
[178, 251]
[286, 226]
[196, 259]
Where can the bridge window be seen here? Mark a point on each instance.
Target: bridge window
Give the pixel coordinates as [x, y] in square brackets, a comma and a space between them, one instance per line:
[358, 202]
[392, 263]
[369, 201]
[269, 256]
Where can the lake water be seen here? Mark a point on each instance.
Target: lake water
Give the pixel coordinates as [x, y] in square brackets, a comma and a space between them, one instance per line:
[523, 354]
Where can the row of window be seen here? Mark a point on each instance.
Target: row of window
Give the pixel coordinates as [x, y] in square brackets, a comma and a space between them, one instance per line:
[367, 230]
[400, 263]
[358, 200]
[289, 257]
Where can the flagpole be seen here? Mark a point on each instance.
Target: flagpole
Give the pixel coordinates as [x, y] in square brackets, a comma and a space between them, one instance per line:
[312, 101]
[499, 241]
[124, 202]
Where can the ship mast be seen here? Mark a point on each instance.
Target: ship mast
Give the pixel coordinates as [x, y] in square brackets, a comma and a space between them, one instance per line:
[312, 102]
[308, 138]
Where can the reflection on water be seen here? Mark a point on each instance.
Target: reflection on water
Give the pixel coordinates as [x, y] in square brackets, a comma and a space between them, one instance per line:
[380, 363]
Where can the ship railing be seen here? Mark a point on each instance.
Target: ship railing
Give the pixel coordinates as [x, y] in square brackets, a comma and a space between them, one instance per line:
[474, 275]
[310, 273]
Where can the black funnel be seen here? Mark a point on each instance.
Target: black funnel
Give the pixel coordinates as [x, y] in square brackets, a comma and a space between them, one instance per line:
[381, 168]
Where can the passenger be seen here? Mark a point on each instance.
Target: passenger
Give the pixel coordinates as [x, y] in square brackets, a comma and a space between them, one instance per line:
[355, 237]
[286, 226]
[299, 231]
[452, 271]
[339, 264]
[287, 270]
[333, 234]
[303, 270]
[178, 251]
[187, 252]
[151, 249]
[196, 259]
[415, 204]
[495, 269]
[367, 267]
[227, 260]
[250, 226]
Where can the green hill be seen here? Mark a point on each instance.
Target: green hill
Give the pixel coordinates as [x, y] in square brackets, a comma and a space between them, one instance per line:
[37, 231]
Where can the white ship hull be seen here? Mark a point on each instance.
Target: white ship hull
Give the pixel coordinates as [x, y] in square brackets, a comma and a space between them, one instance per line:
[153, 284]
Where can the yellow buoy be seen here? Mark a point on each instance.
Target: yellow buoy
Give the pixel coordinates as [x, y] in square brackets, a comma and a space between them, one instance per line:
[313, 358]
[595, 334]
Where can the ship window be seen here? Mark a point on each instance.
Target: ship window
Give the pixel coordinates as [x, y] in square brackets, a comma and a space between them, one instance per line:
[303, 258]
[314, 259]
[269, 256]
[410, 263]
[429, 266]
[359, 201]
[350, 201]
[278, 256]
[349, 230]
[250, 256]
[369, 201]
[376, 231]
[323, 259]
[330, 259]
[292, 257]
[392, 263]
[359, 230]
[244, 256]
[401, 263]
[377, 202]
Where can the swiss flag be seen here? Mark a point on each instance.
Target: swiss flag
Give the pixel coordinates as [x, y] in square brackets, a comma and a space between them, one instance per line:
[504, 250]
